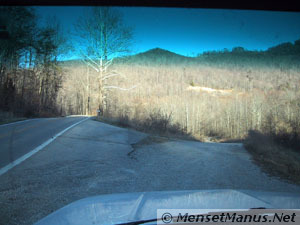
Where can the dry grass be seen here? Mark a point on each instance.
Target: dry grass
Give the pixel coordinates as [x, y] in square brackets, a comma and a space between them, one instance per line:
[272, 157]
[157, 126]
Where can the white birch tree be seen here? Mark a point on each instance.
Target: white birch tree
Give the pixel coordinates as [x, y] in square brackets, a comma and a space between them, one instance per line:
[102, 37]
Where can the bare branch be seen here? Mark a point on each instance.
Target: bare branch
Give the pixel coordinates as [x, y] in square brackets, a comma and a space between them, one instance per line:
[85, 55]
[89, 64]
[110, 75]
[113, 74]
[108, 63]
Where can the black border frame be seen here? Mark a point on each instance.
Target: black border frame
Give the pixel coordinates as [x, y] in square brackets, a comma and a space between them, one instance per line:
[286, 5]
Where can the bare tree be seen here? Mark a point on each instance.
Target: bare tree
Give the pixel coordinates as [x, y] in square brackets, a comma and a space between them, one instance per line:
[103, 36]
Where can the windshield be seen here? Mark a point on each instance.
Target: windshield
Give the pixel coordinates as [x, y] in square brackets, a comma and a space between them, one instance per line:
[106, 100]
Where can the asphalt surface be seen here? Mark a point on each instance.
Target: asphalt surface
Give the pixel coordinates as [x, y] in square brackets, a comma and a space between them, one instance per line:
[17, 139]
[94, 158]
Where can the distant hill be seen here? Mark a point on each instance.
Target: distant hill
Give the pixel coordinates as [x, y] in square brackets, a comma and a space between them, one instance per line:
[286, 48]
[153, 56]
[153, 53]
[156, 56]
[285, 54]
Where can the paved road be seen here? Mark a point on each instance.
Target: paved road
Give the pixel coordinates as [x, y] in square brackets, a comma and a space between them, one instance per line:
[94, 158]
[19, 138]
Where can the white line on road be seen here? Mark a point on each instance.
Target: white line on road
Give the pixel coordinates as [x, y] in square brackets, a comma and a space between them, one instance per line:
[31, 153]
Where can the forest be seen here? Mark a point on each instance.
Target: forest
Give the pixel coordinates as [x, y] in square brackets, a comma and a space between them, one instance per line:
[30, 74]
[215, 95]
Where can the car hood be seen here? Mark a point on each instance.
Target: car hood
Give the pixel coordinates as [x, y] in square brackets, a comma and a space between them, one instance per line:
[128, 207]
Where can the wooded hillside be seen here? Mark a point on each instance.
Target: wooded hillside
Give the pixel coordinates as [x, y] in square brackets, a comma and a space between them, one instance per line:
[219, 94]
[216, 94]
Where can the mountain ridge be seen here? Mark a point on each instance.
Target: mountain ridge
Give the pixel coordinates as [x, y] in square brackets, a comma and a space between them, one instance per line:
[162, 56]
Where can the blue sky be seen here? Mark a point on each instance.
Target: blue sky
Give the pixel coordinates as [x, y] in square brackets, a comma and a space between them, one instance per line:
[192, 31]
